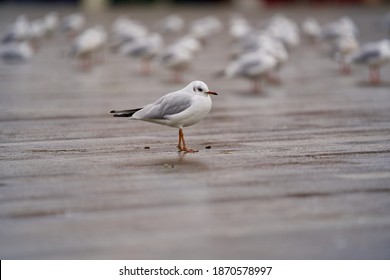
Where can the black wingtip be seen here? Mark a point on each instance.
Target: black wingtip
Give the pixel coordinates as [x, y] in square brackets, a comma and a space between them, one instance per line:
[124, 113]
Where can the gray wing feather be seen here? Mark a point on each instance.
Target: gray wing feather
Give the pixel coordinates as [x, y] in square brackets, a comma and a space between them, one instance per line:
[166, 106]
[138, 50]
[248, 67]
[366, 56]
[10, 37]
[167, 57]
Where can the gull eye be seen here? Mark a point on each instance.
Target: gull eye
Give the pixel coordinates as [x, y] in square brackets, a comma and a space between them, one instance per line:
[200, 89]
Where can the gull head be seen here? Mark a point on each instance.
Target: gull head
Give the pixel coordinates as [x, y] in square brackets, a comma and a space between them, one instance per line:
[199, 87]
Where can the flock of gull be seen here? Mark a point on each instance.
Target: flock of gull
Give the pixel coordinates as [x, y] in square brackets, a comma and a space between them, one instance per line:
[257, 52]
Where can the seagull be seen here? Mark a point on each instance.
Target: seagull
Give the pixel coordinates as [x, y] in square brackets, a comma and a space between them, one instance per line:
[277, 49]
[239, 28]
[205, 27]
[190, 43]
[18, 32]
[253, 66]
[177, 58]
[334, 30]
[16, 51]
[373, 54]
[88, 43]
[262, 42]
[178, 109]
[171, 24]
[51, 22]
[343, 47]
[144, 48]
[311, 29]
[125, 30]
[72, 24]
[285, 30]
[37, 32]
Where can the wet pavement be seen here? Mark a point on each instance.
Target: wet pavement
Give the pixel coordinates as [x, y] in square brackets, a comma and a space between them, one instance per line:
[300, 171]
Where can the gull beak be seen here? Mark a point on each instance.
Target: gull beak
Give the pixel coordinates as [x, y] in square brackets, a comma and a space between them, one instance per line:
[211, 92]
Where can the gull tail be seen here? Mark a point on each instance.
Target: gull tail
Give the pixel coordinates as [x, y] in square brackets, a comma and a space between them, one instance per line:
[124, 113]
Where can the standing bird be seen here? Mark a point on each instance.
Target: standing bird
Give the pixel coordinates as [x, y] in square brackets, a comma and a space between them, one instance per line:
[205, 27]
[88, 44]
[51, 21]
[18, 32]
[311, 29]
[172, 24]
[177, 58]
[178, 109]
[252, 66]
[343, 47]
[16, 52]
[145, 48]
[72, 24]
[126, 31]
[374, 55]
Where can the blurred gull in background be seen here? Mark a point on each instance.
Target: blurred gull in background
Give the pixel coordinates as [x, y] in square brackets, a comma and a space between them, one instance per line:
[38, 30]
[171, 24]
[205, 27]
[239, 28]
[374, 55]
[73, 24]
[311, 29]
[16, 51]
[285, 30]
[144, 48]
[253, 66]
[51, 22]
[125, 30]
[177, 58]
[336, 29]
[88, 45]
[18, 31]
[343, 48]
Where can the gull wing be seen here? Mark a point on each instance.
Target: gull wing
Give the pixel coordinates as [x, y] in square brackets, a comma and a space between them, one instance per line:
[250, 67]
[366, 56]
[168, 105]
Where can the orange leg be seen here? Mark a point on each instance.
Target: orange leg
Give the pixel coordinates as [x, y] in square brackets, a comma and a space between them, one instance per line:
[378, 75]
[181, 141]
[375, 78]
[145, 67]
[86, 62]
[179, 144]
[345, 68]
[274, 78]
[256, 86]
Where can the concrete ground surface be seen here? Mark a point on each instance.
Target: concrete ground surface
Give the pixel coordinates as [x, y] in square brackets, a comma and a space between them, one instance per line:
[301, 171]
